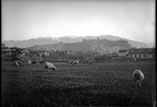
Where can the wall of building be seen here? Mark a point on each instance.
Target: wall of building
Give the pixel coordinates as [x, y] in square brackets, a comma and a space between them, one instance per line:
[140, 56]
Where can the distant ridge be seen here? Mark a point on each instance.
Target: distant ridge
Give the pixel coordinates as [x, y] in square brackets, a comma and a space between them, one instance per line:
[69, 39]
[100, 46]
[30, 42]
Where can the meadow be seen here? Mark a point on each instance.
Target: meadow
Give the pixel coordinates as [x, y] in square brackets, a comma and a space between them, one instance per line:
[98, 84]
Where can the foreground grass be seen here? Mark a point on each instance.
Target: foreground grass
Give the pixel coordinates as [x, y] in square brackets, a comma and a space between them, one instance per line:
[100, 84]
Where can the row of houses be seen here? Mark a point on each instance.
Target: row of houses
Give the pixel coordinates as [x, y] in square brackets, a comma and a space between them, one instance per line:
[138, 53]
[39, 53]
[130, 53]
[5, 50]
[8, 51]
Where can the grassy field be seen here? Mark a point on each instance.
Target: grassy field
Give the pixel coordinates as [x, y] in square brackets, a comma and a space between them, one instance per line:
[99, 84]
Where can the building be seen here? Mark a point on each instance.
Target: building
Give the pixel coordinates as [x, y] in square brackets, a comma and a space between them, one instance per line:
[40, 53]
[140, 53]
[13, 48]
[6, 51]
[123, 53]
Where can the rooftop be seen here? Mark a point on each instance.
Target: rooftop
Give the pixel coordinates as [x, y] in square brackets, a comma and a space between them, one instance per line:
[142, 51]
[122, 51]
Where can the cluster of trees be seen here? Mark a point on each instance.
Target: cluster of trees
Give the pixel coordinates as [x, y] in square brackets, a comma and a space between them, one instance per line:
[68, 54]
[56, 55]
[15, 54]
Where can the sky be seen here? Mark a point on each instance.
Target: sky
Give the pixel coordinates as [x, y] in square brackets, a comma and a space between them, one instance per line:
[130, 19]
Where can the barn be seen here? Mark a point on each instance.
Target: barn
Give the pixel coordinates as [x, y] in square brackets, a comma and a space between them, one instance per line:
[5, 50]
[123, 53]
[142, 53]
[40, 53]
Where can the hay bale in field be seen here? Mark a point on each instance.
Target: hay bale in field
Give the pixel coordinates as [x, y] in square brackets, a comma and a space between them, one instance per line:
[138, 77]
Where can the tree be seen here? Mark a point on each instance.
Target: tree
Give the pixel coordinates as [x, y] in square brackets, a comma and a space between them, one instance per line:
[16, 54]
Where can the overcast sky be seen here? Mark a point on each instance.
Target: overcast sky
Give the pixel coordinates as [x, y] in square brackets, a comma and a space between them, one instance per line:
[124, 18]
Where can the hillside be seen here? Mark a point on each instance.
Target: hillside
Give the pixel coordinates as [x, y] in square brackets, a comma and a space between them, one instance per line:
[101, 46]
[133, 43]
[71, 39]
[30, 42]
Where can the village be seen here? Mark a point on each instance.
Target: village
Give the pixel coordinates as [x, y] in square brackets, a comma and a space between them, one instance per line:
[133, 53]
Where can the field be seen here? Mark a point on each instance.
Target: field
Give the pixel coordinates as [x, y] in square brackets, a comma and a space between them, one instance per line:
[98, 84]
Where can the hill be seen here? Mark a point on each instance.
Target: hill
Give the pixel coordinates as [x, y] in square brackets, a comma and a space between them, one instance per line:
[30, 42]
[71, 39]
[97, 45]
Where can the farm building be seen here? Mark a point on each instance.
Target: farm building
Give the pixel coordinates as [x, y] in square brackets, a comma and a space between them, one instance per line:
[123, 53]
[5, 50]
[22, 51]
[141, 53]
[13, 49]
[40, 53]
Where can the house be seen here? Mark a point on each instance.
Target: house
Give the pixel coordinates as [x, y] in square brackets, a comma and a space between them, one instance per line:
[40, 53]
[20, 51]
[6, 51]
[123, 53]
[13, 48]
[142, 53]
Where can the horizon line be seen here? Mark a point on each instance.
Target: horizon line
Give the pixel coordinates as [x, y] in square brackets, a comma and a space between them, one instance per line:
[72, 36]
